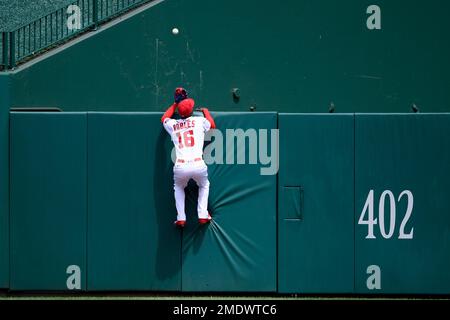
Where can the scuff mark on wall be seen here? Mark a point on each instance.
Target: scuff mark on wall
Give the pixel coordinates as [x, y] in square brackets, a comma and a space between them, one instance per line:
[365, 76]
[189, 52]
[200, 83]
[177, 64]
[156, 86]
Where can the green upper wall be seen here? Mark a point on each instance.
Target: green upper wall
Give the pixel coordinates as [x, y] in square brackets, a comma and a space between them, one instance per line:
[297, 56]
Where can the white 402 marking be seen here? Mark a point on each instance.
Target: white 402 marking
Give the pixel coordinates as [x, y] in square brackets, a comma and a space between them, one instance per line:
[371, 221]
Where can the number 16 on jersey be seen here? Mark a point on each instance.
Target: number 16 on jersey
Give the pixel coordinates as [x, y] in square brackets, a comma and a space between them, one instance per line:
[186, 139]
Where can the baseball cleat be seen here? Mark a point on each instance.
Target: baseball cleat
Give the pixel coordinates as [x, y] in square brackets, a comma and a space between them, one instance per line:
[180, 223]
[203, 221]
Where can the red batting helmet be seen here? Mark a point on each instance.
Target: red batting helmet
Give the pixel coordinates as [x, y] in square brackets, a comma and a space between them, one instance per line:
[186, 107]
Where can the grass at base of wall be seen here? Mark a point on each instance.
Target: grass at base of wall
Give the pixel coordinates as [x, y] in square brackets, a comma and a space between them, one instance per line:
[219, 296]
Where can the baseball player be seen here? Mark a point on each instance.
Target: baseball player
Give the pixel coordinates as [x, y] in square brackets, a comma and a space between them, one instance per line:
[188, 135]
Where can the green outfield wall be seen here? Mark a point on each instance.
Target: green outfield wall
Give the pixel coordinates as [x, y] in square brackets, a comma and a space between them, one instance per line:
[298, 56]
[49, 200]
[359, 205]
[130, 187]
[405, 160]
[237, 252]
[315, 204]
[113, 171]
[4, 180]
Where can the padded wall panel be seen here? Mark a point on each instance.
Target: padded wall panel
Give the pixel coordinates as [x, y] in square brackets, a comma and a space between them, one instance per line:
[132, 242]
[48, 200]
[237, 250]
[315, 204]
[398, 154]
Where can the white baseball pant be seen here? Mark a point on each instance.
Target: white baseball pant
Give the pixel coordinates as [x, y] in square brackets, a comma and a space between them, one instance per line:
[181, 177]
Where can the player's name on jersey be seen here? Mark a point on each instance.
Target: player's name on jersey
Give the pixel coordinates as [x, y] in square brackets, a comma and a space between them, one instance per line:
[184, 124]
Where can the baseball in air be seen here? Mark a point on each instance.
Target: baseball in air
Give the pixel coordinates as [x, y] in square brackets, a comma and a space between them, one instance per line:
[175, 31]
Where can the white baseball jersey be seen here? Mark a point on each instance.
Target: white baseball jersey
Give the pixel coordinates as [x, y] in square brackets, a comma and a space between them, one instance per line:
[188, 136]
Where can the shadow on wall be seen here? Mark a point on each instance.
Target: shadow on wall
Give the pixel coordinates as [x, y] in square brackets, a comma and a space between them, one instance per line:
[194, 238]
[195, 234]
[168, 264]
